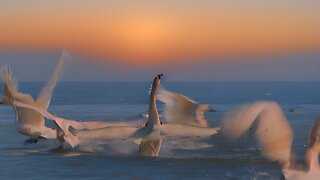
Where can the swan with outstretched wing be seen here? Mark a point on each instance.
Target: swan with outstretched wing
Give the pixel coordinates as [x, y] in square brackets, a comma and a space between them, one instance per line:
[30, 122]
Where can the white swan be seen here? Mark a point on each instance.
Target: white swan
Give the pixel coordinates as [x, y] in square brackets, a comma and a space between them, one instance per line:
[180, 109]
[30, 122]
[273, 132]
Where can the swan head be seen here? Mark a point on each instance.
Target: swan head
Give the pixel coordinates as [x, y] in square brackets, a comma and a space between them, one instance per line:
[156, 81]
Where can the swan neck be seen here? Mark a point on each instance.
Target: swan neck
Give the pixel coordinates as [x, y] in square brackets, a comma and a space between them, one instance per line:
[153, 111]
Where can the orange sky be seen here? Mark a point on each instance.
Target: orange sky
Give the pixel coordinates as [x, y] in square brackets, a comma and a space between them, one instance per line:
[139, 33]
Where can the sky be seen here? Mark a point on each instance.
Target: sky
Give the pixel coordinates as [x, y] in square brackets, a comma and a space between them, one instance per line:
[189, 40]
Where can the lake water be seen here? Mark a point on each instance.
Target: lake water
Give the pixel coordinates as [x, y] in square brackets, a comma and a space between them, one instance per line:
[128, 100]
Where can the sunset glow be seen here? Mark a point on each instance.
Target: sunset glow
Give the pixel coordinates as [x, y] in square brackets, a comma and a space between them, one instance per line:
[149, 33]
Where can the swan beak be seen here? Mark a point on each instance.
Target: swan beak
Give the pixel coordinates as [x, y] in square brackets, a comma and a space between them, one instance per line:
[160, 75]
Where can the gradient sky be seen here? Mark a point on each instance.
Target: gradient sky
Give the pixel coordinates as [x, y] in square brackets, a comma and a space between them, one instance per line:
[190, 40]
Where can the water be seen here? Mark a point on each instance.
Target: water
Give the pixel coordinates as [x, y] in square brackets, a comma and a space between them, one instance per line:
[128, 100]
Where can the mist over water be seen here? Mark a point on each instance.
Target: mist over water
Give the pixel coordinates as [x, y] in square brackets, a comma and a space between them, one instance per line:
[128, 100]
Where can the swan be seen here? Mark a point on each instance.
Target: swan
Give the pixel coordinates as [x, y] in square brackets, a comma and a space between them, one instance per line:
[28, 121]
[266, 120]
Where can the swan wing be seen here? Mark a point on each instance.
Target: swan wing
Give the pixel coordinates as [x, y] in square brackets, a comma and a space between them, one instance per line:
[181, 109]
[45, 94]
[26, 118]
[270, 127]
[11, 88]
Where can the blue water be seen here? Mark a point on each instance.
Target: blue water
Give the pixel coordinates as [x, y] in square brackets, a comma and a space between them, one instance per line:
[128, 100]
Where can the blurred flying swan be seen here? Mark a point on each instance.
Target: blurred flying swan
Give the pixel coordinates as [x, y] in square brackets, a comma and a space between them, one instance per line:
[148, 137]
[273, 132]
[28, 121]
